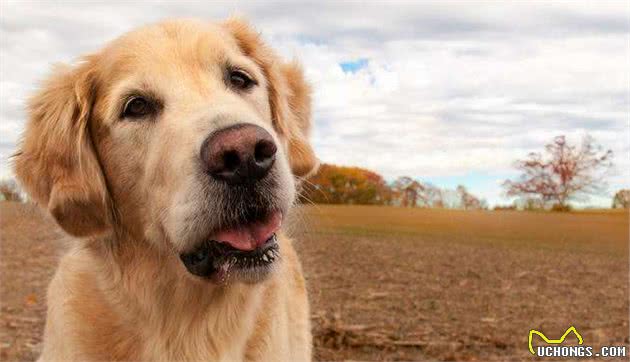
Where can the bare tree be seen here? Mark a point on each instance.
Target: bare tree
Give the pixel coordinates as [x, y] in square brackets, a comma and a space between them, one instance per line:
[564, 172]
[468, 201]
[431, 196]
[407, 190]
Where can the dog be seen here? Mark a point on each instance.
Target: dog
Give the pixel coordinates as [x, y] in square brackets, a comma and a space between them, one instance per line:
[171, 157]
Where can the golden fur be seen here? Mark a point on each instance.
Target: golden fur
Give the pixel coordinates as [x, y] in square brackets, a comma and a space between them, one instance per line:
[132, 199]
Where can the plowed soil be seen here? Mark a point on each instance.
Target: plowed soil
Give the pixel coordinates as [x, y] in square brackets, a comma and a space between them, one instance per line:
[399, 284]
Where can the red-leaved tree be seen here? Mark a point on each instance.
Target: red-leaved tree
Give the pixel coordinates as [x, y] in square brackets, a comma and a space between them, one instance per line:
[346, 185]
[563, 172]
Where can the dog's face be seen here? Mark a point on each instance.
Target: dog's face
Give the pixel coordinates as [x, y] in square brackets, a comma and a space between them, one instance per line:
[185, 135]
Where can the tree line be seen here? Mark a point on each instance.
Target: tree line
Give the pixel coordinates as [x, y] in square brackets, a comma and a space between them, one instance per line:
[354, 185]
[548, 180]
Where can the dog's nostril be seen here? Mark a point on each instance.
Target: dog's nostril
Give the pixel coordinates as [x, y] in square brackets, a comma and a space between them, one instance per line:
[264, 151]
[231, 161]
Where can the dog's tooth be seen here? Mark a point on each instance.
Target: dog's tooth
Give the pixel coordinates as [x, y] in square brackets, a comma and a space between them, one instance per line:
[265, 258]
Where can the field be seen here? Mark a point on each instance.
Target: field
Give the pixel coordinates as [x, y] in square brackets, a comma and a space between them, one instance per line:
[402, 284]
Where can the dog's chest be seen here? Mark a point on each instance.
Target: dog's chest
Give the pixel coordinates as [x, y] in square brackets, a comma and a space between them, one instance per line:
[221, 335]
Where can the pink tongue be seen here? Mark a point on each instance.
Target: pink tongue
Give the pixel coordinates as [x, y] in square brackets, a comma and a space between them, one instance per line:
[251, 236]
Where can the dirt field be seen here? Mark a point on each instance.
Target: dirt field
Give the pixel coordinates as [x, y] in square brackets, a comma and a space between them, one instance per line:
[401, 284]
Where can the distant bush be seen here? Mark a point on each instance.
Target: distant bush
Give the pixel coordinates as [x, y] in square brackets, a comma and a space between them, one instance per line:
[504, 208]
[621, 199]
[560, 208]
[530, 203]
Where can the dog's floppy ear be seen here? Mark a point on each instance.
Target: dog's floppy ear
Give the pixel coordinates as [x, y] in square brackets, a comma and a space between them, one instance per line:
[289, 96]
[56, 162]
[293, 116]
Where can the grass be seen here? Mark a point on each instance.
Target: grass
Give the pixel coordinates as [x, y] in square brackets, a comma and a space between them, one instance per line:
[581, 231]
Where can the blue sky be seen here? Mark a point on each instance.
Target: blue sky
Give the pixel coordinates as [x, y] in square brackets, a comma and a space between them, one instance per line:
[448, 92]
[353, 66]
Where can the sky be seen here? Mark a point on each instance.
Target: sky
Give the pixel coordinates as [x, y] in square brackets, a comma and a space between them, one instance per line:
[447, 92]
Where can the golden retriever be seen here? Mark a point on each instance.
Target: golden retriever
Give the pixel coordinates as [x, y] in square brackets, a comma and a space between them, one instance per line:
[171, 157]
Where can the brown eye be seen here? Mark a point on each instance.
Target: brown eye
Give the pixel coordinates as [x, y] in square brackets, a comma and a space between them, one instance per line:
[241, 80]
[137, 107]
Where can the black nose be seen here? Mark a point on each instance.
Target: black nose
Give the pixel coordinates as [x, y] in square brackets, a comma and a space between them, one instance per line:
[238, 154]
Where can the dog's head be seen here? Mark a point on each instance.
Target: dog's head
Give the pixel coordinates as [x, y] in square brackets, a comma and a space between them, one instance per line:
[184, 134]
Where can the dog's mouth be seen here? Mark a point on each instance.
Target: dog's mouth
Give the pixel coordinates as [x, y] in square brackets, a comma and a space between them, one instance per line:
[249, 250]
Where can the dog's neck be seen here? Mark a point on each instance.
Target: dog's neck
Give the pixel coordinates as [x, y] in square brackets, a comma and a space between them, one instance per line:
[156, 287]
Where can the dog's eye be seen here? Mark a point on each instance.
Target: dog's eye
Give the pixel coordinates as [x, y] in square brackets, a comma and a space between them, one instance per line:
[241, 80]
[137, 107]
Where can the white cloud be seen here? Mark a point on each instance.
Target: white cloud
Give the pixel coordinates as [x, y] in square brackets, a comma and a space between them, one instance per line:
[451, 88]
